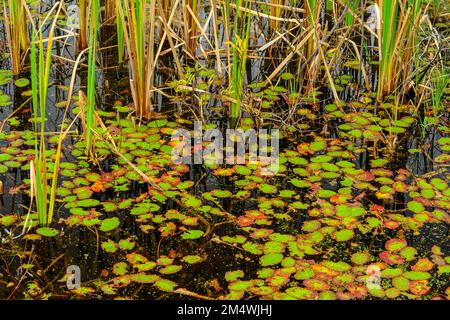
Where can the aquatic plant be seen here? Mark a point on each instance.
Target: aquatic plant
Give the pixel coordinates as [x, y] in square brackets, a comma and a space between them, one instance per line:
[397, 41]
[16, 27]
[40, 57]
[138, 22]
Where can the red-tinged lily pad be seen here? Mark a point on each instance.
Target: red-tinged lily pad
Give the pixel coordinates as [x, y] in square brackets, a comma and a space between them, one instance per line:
[245, 221]
[311, 225]
[340, 295]
[394, 245]
[316, 284]
[419, 287]
[261, 233]
[391, 258]
[225, 172]
[422, 264]
[263, 290]
[357, 291]
[136, 258]
[391, 224]
[301, 293]
[277, 280]
[121, 281]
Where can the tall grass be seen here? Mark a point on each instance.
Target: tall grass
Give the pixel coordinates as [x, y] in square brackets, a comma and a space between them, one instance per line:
[16, 27]
[241, 31]
[90, 121]
[40, 58]
[138, 20]
[397, 42]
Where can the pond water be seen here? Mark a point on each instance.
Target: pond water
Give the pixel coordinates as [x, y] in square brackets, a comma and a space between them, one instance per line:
[358, 208]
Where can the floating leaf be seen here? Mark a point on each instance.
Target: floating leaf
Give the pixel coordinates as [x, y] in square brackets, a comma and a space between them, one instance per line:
[422, 264]
[416, 275]
[109, 246]
[165, 285]
[144, 278]
[170, 269]
[109, 224]
[47, 231]
[394, 245]
[270, 259]
[344, 235]
[300, 293]
[416, 207]
[192, 234]
[360, 258]
[391, 258]
[231, 276]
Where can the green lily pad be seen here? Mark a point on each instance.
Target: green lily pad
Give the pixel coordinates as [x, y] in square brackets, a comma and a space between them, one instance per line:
[47, 231]
[270, 259]
[109, 224]
[126, 244]
[170, 269]
[192, 259]
[166, 285]
[109, 246]
[192, 234]
[300, 293]
[360, 258]
[416, 275]
[416, 207]
[231, 276]
[344, 235]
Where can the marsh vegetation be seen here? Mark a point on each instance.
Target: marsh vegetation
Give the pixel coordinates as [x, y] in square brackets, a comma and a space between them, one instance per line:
[91, 92]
